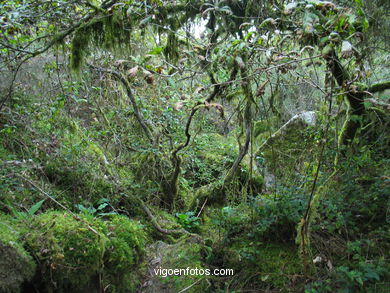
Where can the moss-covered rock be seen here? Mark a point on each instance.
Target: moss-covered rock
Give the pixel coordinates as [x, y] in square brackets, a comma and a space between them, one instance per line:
[297, 138]
[186, 257]
[70, 251]
[79, 253]
[123, 254]
[214, 193]
[16, 265]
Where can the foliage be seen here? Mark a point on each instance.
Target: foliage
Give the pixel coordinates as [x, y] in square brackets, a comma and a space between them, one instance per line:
[188, 221]
[121, 123]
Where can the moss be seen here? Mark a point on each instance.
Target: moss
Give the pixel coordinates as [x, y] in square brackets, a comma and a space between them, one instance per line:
[273, 265]
[79, 47]
[129, 232]
[281, 152]
[171, 49]
[78, 179]
[124, 251]
[167, 221]
[264, 126]
[250, 176]
[16, 265]
[280, 262]
[209, 230]
[214, 193]
[74, 253]
[185, 254]
[111, 32]
[69, 252]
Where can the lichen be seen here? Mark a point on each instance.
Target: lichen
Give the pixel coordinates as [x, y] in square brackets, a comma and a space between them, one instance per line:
[109, 32]
[171, 49]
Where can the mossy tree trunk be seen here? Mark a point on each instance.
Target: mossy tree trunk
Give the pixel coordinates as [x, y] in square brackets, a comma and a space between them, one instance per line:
[246, 87]
[355, 97]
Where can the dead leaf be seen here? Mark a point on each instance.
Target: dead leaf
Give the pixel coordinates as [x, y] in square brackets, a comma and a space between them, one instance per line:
[132, 72]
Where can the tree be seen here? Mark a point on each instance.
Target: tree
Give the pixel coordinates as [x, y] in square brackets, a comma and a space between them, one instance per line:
[246, 48]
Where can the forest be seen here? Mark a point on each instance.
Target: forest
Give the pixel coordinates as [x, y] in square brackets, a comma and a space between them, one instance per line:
[175, 146]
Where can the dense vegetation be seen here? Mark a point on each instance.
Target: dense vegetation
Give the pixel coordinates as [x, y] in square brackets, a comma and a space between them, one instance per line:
[236, 134]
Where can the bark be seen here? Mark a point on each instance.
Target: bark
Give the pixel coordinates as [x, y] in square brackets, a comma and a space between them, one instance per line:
[379, 87]
[170, 187]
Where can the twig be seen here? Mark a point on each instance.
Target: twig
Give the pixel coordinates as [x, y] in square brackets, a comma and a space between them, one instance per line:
[154, 220]
[201, 209]
[187, 288]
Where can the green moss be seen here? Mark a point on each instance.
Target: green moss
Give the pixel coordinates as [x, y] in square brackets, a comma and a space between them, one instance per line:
[79, 47]
[185, 254]
[110, 32]
[214, 193]
[81, 179]
[273, 265]
[74, 253]
[129, 232]
[264, 126]
[171, 49]
[282, 150]
[278, 264]
[124, 251]
[16, 265]
[69, 252]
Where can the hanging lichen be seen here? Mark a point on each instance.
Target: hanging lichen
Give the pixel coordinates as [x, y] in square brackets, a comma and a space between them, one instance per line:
[110, 32]
[79, 47]
[171, 49]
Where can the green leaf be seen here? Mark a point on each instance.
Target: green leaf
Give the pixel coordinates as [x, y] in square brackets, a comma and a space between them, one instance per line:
[102, 206]
[156, 51]
[102, 200]
[35, 207]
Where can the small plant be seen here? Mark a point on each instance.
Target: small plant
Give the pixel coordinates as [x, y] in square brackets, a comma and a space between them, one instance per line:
[188, 221]
[31, 211]
[101, 206]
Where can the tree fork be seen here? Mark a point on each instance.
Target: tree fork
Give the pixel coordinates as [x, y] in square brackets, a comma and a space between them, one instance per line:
[355, 99]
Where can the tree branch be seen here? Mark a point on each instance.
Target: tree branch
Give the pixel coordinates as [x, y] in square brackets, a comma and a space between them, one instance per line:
[379, 87]
[246, 87]
[129, 92]
[56, 39]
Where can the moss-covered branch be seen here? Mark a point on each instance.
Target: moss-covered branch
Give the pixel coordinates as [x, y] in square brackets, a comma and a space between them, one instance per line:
[154, 221]
[246, 87]
[55, 40]
[171, 189]
[379, 87]
[138, 115]
[354, 99]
